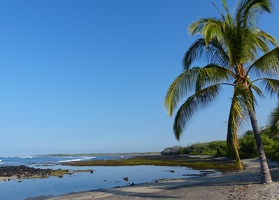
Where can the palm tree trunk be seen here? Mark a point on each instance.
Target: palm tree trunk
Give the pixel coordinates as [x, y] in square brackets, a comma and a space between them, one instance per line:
[265, 174]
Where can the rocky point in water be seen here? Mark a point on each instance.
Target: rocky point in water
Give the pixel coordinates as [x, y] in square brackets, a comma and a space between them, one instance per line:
[23, 171]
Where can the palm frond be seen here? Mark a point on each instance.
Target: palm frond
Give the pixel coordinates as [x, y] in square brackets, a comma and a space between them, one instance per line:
[242, 100]
[257, 90]
[212, 74]
[212, 29]
[266, 37]
[194, 53]
[197, 26]
[239, 14]
[260, 42]
[234, 124]
[213, 53]
[248, 11]
[271, 86]
[217, 54]
[248, 45]
[191, 106]
[182, 85]
[267, 65]
[254, 9]
[255, 40]
[273, 119]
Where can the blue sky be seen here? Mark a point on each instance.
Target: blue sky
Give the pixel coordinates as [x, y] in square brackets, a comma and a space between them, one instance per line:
[90, 76]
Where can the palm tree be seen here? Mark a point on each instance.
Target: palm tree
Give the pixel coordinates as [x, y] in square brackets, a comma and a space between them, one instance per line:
[231, 46]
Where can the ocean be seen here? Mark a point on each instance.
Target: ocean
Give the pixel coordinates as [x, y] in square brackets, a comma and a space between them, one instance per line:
[55, 159]
[101, 178]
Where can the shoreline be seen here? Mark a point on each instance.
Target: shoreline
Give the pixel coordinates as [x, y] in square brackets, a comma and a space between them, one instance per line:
[221, 164]
[233, 185]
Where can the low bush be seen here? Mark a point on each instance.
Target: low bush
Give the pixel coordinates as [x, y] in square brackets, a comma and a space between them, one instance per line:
[214, 148]
[247, 146]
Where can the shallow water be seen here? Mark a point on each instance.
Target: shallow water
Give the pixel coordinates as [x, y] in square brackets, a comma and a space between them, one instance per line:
[101, 178]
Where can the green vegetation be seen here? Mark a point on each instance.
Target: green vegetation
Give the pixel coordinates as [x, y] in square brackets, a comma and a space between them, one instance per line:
[161, 160]
[211, 150]
[247, 146]
[216, 148]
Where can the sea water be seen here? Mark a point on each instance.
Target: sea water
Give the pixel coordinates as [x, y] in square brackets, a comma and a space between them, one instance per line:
[37, 160]
[101, 178]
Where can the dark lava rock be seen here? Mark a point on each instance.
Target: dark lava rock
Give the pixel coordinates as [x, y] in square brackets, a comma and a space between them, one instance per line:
[23, 171]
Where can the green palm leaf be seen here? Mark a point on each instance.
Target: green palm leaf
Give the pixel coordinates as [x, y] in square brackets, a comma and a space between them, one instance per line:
[248, 11]
[273, 120]
[267, 65]
[213, 53]
[181, 87]
[212, 74]
[257, 90]
[271, 86]
[242, 99]
[193, 103]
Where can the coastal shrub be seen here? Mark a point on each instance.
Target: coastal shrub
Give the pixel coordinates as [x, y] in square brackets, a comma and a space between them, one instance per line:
[214, 145]
[273, 151]
[248, 148]
[201, 149]
[185, 150]
[214, 148]
[269, 145]
[222, 151]
[274, 135]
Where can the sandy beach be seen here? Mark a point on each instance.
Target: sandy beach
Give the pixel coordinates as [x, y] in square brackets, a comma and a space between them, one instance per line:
[237, 185]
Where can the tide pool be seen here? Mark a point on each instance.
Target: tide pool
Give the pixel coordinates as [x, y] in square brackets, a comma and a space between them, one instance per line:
[101, 178]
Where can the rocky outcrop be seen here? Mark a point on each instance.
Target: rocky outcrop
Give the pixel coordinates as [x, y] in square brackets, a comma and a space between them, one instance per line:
[166, 151]
[171, 150]
[23, 171]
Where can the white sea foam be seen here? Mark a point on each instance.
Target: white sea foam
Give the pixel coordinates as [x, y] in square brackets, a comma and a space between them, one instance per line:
[72, 160]
[25, 156]
[77, 159]
[7, 156]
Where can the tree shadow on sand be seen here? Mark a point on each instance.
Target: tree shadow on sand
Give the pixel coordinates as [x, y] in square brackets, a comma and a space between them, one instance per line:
[228, 184]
